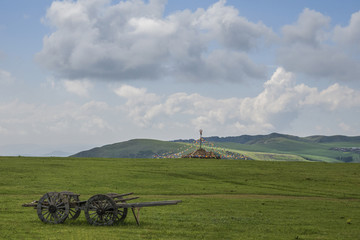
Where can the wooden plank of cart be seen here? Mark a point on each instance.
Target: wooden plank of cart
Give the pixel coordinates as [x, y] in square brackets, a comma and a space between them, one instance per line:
[101, 209]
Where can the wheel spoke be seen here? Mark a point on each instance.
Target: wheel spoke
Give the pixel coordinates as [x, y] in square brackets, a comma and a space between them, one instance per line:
[96, 204]
[48, 198]
[105, 205]
[72, 212]
[60, 215]
[51, 218]
[95, 218]
[47, 215]
[52, 200]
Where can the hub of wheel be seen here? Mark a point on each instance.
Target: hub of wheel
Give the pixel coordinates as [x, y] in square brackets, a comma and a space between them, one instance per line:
[52, 209]
[100, 211]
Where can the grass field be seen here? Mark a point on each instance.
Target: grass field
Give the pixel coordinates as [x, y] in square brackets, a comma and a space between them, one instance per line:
[222, 199]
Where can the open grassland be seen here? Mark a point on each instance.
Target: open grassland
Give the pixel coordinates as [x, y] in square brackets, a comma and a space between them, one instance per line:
[222, 199]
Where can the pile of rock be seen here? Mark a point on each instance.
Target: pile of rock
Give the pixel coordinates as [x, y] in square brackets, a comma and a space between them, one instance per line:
[201, 153]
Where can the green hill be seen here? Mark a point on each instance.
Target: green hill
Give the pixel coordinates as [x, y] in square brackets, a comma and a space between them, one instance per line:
[315, 148]
[275, 147]
[137, 148]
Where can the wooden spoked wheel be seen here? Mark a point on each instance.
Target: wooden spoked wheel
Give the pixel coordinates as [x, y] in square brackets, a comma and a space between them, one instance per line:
[74, 209]
[53, 207]
[121, 215]
[101, 210]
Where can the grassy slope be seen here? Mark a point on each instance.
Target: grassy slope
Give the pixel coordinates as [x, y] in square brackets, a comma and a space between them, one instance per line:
[273, 147]
[137, 148]
[222, 199]
[308, 150]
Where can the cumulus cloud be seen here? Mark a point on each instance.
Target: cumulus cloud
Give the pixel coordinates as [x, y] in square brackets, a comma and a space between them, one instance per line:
[5, 77]
[231, 30]
[310, 29]
[78, 87]
[68, 120]
[334, 97]
[134, 40]
[311, 46]
[274, 109]
[349, 35]
[140, 105]
[278, 106]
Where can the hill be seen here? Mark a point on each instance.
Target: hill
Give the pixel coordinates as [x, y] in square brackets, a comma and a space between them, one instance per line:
[136, 148]
[253, 139]
[274, 146]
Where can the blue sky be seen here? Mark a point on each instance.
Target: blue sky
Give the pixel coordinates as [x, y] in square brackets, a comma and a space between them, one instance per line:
[79, 74]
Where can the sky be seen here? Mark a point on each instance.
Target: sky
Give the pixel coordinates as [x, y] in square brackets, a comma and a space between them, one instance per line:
[81, 74]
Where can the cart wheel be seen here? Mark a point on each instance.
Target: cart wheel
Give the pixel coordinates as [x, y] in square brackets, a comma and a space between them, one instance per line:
[74, 209]
[53, 208]
[101, 210]
[121, 215]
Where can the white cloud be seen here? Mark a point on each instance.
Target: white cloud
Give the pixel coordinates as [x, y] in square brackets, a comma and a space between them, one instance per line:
[3, 130]
[5, 77]
[133, 40]
[278, 107]
[140, 105]
[345, 127]
[64, 121]
[274, 109]
[128, 40]
[310, 46]
[78, 87]
[224, 24]
[310, 29]
[349, 35]
[335, 97]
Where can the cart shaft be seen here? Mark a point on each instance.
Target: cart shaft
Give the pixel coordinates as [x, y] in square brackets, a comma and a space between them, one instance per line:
[148, 204]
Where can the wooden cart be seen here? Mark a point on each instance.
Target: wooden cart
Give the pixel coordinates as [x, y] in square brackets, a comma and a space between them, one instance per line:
[101, 209]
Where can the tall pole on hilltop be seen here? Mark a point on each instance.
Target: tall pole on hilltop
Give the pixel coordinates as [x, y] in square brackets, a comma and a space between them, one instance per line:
[201, 131]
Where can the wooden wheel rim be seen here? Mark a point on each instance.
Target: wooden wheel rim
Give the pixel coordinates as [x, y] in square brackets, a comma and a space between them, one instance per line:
[53, 208]
[101, 210]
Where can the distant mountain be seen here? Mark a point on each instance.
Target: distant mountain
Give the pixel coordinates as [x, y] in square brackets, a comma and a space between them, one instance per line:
[41, 150]
[249, 139]
[57, 154]
[245, 139]
[273, 146]
[330, 139]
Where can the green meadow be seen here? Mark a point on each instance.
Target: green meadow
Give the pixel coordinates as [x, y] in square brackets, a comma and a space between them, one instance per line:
[222, 199]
